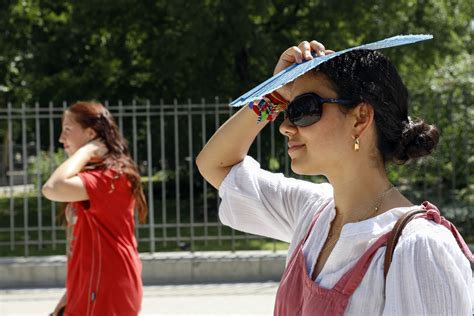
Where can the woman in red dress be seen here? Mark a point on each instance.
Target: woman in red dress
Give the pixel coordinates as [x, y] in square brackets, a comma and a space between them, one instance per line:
[101, 184]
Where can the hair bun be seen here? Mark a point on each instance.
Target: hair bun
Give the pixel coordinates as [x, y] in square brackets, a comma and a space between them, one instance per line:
[418, 139]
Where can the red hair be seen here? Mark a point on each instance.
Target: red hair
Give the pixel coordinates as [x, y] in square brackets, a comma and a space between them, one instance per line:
[97, 117]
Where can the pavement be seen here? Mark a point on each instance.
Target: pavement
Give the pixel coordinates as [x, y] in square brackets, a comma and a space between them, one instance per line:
[202, 299]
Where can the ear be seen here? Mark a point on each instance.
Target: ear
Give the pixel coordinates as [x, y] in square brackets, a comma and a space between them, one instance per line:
[362, 115]
[91, 134]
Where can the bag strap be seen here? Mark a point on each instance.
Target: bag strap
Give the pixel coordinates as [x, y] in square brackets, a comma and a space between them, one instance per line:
[395, 235]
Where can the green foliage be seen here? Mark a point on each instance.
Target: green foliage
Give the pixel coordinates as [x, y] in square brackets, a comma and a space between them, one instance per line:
[160, 176]
[273, 164]
[44, 164]
[154, 49]
[70, 50]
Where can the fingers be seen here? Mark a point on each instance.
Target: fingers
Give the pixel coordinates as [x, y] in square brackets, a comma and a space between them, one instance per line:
[305, 49]
[318, 48]
[96, 149]
[296, 54]
[292, 55]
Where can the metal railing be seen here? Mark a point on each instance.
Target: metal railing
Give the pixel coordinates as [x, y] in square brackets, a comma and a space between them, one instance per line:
[164, 140]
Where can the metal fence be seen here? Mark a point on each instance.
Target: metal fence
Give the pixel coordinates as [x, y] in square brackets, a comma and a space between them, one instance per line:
[164, 139]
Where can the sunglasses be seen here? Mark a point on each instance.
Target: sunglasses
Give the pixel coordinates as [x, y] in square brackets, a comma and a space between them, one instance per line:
[307, 109]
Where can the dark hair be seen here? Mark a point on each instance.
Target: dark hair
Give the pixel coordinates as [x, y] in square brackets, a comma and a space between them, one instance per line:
[368, 76]
[96, 116]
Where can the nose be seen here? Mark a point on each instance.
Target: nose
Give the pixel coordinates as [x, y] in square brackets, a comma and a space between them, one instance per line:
[61, 138]
[287, 128]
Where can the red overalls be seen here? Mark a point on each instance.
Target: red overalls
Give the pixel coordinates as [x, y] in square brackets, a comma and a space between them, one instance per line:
[298, 294]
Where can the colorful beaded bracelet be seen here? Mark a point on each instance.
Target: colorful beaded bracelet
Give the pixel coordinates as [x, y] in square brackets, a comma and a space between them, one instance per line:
[269, 106]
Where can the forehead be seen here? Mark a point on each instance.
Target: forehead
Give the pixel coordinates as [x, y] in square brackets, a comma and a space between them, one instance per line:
[69, 119]
[311, 82]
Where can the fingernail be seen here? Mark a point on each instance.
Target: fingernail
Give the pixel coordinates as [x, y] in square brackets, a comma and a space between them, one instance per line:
[298, 60]
[322, 53]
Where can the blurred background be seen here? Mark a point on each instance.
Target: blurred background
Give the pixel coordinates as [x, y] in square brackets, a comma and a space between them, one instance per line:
[167, 70]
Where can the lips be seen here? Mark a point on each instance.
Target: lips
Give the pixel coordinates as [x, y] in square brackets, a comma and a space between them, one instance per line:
[294, 146]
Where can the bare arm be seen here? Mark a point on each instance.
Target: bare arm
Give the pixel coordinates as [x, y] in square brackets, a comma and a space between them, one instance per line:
[64, 185]
[231, 142]
[228, 146]
[61, 304]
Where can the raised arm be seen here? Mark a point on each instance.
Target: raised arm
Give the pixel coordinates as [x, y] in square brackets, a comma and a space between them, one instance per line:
[228, 146]
[64, 185]
[231, 142]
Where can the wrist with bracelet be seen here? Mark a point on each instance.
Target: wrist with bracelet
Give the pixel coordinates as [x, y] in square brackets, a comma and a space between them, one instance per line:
[269, 106]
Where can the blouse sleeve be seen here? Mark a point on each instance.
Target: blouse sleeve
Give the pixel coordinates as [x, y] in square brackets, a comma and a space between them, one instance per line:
[429, 275]
[268, 204]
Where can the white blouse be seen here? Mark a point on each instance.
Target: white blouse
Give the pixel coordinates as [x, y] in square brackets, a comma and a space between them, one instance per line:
[429, 275]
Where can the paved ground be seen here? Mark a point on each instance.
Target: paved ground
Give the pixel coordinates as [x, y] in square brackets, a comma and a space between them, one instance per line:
[209, 299]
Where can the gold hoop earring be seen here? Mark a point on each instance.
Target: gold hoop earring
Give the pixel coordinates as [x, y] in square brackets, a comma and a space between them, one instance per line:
[356, 143]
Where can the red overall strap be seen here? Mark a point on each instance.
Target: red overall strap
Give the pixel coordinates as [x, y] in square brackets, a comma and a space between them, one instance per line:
[308, 232]
[352, 278]
[313, 222]
[434, 215]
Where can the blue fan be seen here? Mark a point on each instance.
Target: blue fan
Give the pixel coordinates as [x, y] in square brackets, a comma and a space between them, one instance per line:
[296, 70]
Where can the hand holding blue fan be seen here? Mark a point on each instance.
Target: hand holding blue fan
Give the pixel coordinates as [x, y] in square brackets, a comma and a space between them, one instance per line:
[296, 70]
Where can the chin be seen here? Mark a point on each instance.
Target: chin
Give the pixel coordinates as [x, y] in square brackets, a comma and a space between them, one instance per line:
[68, 152]
[304, 169]
[299, 168]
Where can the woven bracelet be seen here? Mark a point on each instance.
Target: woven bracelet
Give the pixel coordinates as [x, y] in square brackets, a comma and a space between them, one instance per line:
[269, 106]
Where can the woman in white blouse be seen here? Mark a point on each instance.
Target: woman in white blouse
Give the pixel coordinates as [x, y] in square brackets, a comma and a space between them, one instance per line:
[346, 120]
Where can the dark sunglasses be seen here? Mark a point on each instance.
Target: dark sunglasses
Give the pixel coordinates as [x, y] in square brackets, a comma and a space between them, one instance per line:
[307, 109]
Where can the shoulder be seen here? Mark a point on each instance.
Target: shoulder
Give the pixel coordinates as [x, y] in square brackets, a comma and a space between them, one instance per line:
[429, 273]
[419, 227]
[421, 231]
[100, 172]
[424, 241]
[105, 174]
[102, 179]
